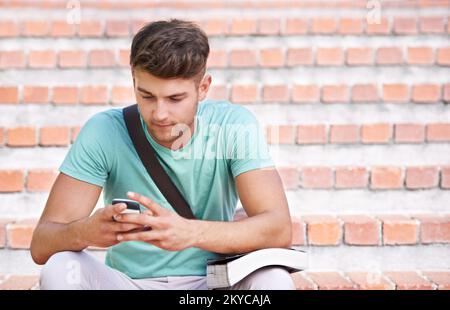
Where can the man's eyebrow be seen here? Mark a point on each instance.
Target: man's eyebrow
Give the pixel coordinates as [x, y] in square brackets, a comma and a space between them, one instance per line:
[149, 93]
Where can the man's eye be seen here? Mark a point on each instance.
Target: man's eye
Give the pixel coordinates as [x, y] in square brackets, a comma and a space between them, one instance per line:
[174, 100]
[147, 97]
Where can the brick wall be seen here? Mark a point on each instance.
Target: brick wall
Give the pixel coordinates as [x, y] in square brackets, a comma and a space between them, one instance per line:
[356, 114]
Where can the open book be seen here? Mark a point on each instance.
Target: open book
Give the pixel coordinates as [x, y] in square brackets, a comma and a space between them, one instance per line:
[225, 272]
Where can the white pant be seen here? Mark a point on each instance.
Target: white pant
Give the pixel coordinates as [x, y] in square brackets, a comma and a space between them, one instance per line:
[80, 270]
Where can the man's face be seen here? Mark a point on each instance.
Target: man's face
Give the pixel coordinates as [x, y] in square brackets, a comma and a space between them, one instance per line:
[164, 103]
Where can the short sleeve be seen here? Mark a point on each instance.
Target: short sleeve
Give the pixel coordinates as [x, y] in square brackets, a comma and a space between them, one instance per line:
[91, 156]
[249, 149]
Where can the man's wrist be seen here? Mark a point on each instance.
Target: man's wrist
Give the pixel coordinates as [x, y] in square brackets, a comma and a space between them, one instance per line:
[79, 230]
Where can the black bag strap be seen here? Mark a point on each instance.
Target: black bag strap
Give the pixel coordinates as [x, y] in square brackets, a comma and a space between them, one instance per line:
[147, 155]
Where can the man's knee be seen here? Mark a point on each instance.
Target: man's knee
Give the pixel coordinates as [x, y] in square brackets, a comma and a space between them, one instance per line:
[268, 278]
[62, 271]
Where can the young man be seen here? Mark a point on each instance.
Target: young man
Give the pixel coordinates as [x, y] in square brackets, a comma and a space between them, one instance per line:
[168, 61]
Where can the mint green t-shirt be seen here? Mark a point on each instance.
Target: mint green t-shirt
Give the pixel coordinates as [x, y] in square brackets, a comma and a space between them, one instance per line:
[227, 141]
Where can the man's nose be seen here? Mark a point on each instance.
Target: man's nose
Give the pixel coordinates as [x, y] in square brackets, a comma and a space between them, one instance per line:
[160, 113]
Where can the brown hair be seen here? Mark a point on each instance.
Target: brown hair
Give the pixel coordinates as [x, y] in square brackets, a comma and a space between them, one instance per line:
[171, 49]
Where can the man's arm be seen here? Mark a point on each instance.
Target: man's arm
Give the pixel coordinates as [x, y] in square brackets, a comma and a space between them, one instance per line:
[65, 224]
[268, 225]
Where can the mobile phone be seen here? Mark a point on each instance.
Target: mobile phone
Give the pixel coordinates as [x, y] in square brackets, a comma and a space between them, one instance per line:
[132, 206]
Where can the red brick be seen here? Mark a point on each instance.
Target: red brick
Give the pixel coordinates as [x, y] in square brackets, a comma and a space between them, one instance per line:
[301, 283]
[117, 28]
[364, 93]
[218, 92]
[445, 177]
[350, 26]
[72, 59]
[121, 95]
[269, 26]
[440, 278]
[323, 25]
[420, 56]
[351, 177]
[9, 94]
[35, 94]
[329, 56]
[299, 57]
[322, 230]
[20, 233]
[42, 59]
[11, 181]
[432, 24]
[374, 28]
[295, 26]
[35, 28]
[298, 231]
[422, 177]
[398, 230]
[60, 28]
[275, 93]
[405, 25]
[271, 58]
[316, 177]
[409, 280]
[54, 136]
[9, 29]
[361, 230]
[344, 134]
[22, 282]
[443, 56]
[244, 93]
[282, 134]
[217, 59]
[65, 95]
[438, 132]
[389, 56]
[426, 93]
[243, 59]
[305, 93]
[94, 95]
[376, 133]
[12, 59]
[290, 177]
[101, 59]
[215, 27]
[243, 27]
[395, 93]
[311, 134]
[41, 180]
[330, 280]
[386, 178]
[359, 56]
[447, 92]
[22, 136]
[370, 280]
[124, 58]
[90, 29]
[409, 133]
[434, 228]
[335, 93]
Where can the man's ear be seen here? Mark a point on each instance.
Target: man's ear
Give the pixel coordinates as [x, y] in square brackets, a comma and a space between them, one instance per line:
[204, 87]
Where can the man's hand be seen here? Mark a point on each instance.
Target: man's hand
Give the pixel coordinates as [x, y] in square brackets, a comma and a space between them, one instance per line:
[167, 230]
[100, 229]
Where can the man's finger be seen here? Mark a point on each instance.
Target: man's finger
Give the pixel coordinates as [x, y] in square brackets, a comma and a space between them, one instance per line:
[147, 202]
[141, 236]
[140, 219]
[111, 210]
[125, 227]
